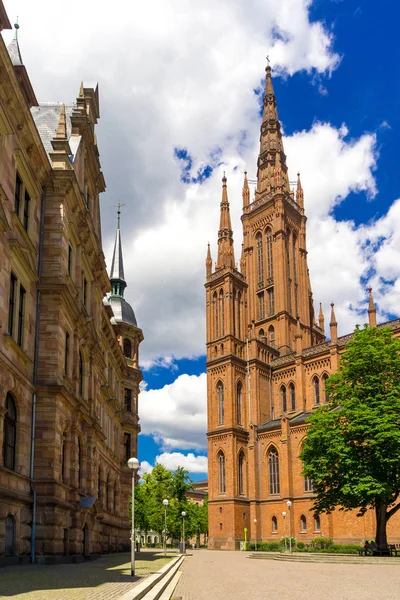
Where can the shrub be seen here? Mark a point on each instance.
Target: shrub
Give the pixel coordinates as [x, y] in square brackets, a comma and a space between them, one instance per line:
[321, 543]
[285, 542]
[300, 545]
[265, 546]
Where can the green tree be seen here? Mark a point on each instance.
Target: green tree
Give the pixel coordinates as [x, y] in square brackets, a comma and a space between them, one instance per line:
[352, 447]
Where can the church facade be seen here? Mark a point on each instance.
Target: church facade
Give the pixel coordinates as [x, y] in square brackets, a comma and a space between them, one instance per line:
[69, 341]
[267, 363]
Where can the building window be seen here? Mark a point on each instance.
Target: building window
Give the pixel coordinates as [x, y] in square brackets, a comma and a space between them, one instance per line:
[221, 473]
[222, 313]
[239, 403]
[284, 400]
[18, 194]
[303, 523]
[127, 346]
[215, 306]
[241, 473]
[308, 484]
[268, 239]
[127, 446]
[221, 403]
[64, 461]
[317, 523]
[10, 433]
[9, 549]
[292, 394]
[326, 393]
[274, 525]
[271, 302]
[25, 220]
[261, 305]
[80, 373]
[21, 311]
[271, 336]
[273, 462]
[128, 400]
[316, 390]
[66, 354]
[80, 464]
[99, 486]
[260, 260]
[12, 303]
[69, 258]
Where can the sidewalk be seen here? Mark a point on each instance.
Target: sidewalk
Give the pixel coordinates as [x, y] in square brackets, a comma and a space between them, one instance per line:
[233, 576]
[107, 578]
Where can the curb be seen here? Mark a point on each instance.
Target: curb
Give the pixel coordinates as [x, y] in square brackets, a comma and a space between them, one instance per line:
[145, 586]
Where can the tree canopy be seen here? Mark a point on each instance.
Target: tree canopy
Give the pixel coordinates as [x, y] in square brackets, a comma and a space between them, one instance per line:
[352, 447]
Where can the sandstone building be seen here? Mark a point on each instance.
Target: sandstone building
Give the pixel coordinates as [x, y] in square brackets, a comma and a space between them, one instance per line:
[69, 341]
[267, 363]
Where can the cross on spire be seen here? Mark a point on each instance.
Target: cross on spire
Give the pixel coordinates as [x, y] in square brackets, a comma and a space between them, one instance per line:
[119, 206]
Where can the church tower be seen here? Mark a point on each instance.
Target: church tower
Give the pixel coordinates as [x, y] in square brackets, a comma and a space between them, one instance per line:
[255, 315]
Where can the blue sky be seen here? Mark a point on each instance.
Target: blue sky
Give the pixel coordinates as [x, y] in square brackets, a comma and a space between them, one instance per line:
[180, 90]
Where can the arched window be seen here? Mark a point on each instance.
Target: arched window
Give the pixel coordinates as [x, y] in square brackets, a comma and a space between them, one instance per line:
[222, 313]
[260, 259]
[127, 348]
[289, 275]
[326, 393]
[273, 462]
[271, 335]
[215, 305]
[241, 473]
[292, 394]
[317, 523]
[308, 485]
[239, 403]
[283, 397]
[238, 314]
[221, 403]
[10, 536]
[80, 464]
[64, 461]
[268, 241]
[221, 473]
[80, 373]
[10, 433]
[316, 390]
[274, 524]
[303, 523]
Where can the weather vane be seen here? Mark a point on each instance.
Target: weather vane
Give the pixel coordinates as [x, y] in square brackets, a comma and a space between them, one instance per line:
[119, 206]
[268, 59]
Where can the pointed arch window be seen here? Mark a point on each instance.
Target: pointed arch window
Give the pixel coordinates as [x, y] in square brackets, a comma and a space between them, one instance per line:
[239, 326]
[268, 243]
[222, 313]
[274, 525]
[284, 399]
[127, 348]
[308, 484]
[273, 463]
[303, 523]
[10, 433]
[292, 394]
[215, 306]
[289, 276]
[271, 301]
[260, 260]
[221, 473]
[317, 523]
[317, 398]
[10, 536]
[239, 403]
[261, 303]
[326, 393]
[241, 464]
[271, 335]
[221, 403]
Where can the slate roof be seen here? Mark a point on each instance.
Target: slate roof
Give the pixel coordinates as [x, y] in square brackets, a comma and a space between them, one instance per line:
[273, 424]
[46, 117]
[14, 53]
[123, 312]
[117, 265]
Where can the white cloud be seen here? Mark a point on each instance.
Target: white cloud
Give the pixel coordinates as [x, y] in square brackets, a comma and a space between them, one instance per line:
[191, 462]
[145, 467]
[176, 414]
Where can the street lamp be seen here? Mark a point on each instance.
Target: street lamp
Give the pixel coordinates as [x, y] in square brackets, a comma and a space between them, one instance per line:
[165, 502]
[289, 504]
[133, 464]
[284, 527]
[183, 530]
[255, 531]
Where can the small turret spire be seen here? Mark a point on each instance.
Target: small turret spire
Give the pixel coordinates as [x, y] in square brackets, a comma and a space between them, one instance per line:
[226, 256]
[246, 191]
[299, 192]
[333, 324]
[117, 277]
[208, 261]
[321, 318]
[371, 309]
[62, 125]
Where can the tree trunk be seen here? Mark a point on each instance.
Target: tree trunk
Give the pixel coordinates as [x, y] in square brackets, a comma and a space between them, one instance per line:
[381, 520]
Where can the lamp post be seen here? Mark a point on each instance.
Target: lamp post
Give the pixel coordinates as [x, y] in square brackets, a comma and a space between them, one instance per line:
[255, 532]
[284, 527]
[289, 504]
[133, 464]
[183, 531]
[165, 502]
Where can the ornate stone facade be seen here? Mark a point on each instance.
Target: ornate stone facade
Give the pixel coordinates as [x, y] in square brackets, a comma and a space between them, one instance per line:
[267, 363]
[69, 374]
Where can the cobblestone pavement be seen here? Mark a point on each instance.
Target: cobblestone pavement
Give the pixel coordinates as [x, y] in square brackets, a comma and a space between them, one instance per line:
[217, 575]
[107, 578]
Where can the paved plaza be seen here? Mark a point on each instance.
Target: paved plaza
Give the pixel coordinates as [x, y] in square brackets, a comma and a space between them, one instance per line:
[107, 578]
[220, 575]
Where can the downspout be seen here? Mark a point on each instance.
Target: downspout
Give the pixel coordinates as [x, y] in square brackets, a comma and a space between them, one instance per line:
[35, 369]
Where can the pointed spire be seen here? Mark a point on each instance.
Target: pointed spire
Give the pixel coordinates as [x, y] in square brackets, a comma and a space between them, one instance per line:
[272, 169]
[333, 324]
[321, 318]
[117, 277]
[81, 92]
[299, 192]
[371, 310]
[226, 256]
[246, 191]
[13, 48]
[62, 125]
[208, 261]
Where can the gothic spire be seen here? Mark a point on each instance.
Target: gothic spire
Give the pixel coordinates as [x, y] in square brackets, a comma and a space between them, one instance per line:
[272, 169]
[321, 319]
[117, 277]
[333, 324]
[299, 192]
[246, 191]
[208, 261]
[62, 125]
[226, 256]
[371, 310]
